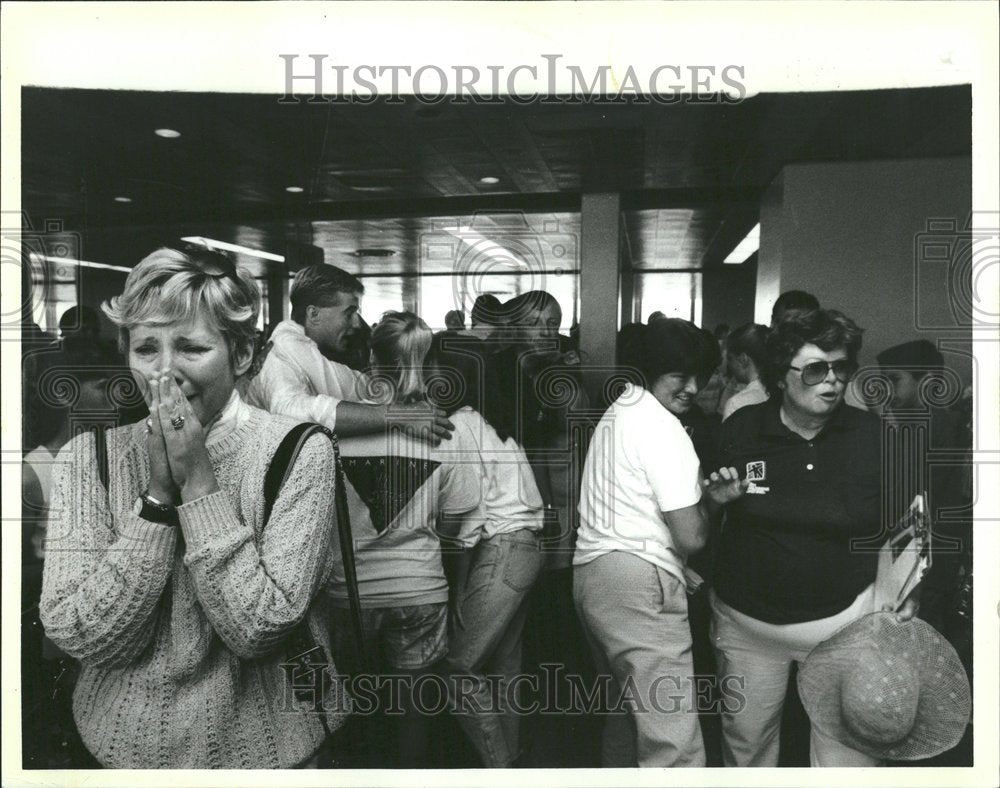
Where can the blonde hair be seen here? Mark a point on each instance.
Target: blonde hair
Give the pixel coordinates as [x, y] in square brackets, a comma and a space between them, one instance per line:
[400, 343]
[169, 286]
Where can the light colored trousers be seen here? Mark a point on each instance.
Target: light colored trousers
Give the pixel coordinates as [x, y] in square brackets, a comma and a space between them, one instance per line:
[494, 609]
[636, 621]
[761, 654]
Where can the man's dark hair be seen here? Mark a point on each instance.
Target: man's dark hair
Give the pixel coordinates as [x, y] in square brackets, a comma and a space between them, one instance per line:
[798, 300]
[828, 329]
[487, 310]
[80, 320]
[918, 357]
[318, 285]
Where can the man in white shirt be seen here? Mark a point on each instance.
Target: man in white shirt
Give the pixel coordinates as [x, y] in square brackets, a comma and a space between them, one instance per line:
[745, 354]
[296, 375]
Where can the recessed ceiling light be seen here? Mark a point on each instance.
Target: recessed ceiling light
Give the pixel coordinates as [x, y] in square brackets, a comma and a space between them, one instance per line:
[167, 133]
[371, 188]
[372, 253]
[489, 180]
[123, 199]
[294, 189]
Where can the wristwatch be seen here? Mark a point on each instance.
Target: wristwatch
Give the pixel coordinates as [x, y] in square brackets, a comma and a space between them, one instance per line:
[148, 508]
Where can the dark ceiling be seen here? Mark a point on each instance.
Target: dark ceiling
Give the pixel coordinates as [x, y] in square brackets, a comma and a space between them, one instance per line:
[391, 176]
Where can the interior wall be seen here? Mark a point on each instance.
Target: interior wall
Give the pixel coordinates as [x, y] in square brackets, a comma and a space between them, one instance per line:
[855, 234]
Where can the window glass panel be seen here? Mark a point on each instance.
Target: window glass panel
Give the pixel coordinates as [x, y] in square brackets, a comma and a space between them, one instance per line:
[673, 294]
[382, 294]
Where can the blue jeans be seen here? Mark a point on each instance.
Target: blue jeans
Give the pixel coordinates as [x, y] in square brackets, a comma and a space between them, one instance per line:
[493, 607]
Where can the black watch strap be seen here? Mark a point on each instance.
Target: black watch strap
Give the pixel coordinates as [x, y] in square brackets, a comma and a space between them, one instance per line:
[155, 512]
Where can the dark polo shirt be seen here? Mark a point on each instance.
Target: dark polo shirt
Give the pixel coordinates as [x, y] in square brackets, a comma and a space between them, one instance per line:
[785, 553]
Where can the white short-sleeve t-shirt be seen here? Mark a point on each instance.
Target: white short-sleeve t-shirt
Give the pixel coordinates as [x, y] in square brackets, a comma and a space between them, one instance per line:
[641, 462]
[397, 490]
[510, 498]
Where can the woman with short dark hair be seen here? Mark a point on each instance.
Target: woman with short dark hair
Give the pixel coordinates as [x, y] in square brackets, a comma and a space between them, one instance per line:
[642, 513]
[791, 569]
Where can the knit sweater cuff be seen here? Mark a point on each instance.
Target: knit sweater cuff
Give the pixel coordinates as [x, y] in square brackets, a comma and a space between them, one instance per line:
[155, 537]
[207, 518]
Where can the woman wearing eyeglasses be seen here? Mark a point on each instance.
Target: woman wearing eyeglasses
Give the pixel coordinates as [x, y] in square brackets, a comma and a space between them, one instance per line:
[790, 570]
[167, 584]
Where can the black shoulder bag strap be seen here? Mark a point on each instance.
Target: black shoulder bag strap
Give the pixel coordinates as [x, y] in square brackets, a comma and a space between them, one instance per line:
[277, 473]
[301, 644]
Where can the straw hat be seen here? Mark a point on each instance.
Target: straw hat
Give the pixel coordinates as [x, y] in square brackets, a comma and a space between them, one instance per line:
[888, 689]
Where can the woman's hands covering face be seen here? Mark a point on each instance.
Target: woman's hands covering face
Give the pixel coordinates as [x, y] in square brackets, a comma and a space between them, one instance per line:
[179, 463]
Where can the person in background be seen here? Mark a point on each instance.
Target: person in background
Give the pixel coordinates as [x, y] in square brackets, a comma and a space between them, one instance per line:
[550, 408]
[789, 570]
[914, 370]
[718, 389]
[745, 355]
[167, 584]
[81, 321]
[80, 328]
[296, 375]
[499, 558]
[550, 390]
[454, 320]
[69, 395]
[487, 315]
[357, 352]
[642, 514]
[66, 383]
[792, 300]
[399, 490]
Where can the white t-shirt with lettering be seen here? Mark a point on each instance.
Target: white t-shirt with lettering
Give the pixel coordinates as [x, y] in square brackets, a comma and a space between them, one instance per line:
[641, 462]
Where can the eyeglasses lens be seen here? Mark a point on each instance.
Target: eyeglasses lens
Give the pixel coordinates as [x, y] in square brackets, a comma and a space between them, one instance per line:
[815, 373]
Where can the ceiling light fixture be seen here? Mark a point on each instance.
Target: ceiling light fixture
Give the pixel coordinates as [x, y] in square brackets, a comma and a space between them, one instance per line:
[294, 189]
[745, 248]
[371, 188]
[167, 134]
[485, 249]
[489, 180]
[372, 253]
[225, 246]
[123, 199]
[37, 258]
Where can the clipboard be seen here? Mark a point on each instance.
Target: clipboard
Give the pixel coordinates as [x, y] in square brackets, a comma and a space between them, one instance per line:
[905, 558]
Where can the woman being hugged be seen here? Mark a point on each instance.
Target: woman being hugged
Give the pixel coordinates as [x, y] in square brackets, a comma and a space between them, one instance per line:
[399, 489]
[167, 584]
[498, 560]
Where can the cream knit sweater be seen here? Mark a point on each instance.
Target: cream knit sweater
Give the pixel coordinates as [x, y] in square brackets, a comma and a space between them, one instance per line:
[181, 634]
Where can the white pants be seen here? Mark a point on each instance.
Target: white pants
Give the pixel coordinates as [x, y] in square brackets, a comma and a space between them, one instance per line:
[761, 654]
[634, 615]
